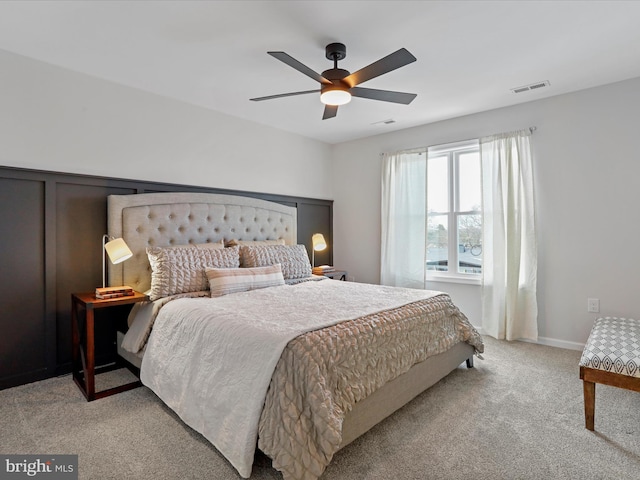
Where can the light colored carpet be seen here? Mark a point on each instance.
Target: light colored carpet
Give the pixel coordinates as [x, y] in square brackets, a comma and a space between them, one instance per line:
[517, 415]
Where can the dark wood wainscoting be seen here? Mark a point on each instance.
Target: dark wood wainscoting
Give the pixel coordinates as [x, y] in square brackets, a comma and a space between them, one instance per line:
[50, 246]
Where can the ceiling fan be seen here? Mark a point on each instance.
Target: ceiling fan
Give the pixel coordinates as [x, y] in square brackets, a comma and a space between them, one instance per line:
[337, 85]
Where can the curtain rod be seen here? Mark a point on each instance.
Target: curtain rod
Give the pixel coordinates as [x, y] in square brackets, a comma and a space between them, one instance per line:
[531, 129]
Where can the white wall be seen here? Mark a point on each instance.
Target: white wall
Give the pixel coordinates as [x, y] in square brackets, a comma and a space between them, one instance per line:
[55, 119]
[587, 179]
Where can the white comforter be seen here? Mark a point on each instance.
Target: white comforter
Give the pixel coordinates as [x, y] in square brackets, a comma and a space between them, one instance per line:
[211, 359]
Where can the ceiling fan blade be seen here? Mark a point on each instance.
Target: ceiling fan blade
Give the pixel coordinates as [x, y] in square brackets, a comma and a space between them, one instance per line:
[391, 62]
[383, 95]
[301, 67]
[330, 111]
[270, 97]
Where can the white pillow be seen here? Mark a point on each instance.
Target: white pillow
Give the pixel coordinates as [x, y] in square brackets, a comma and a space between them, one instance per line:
[181, 269]
[223, 281]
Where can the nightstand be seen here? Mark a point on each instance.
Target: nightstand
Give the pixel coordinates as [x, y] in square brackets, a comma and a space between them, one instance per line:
[83, 353]
[337, 275]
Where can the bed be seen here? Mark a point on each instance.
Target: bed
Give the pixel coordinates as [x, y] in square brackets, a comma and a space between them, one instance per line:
[299, 369]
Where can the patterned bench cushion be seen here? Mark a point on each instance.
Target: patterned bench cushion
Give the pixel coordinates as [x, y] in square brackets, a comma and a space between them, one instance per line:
[614, 346]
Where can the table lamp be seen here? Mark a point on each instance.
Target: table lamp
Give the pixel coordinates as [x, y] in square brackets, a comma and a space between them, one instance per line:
[118, 252]
[319, 244]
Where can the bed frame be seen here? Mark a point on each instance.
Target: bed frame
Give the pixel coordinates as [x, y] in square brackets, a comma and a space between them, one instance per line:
[164, 219]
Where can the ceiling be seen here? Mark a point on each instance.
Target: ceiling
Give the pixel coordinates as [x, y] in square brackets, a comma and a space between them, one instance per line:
[213, 53]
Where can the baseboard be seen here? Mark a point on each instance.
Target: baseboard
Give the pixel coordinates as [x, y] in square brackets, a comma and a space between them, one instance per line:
[553, 342]
[549, 342]
[23, 378]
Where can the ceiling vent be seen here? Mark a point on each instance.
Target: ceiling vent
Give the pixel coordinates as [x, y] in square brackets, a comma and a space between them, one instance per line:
[384, 122]
[533, 86]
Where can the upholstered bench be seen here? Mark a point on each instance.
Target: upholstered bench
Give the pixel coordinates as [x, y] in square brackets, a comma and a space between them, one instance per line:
[611, 357]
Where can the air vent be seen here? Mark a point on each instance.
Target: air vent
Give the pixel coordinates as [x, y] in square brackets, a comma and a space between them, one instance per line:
[533, 86]
[385, 122]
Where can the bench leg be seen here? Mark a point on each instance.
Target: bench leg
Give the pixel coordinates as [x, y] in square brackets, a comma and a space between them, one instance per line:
[470, 362]
[589, 403]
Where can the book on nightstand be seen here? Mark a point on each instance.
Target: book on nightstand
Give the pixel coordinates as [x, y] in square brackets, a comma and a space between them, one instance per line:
[114, 292]
[322, 269]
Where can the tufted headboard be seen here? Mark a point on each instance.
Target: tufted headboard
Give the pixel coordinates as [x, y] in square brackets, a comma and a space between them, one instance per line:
[165, 219]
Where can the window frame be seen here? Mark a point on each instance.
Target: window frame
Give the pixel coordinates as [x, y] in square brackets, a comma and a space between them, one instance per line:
[452, 151]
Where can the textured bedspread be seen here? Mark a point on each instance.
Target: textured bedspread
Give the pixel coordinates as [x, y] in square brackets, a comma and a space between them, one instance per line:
[322, 374]
[212, 361]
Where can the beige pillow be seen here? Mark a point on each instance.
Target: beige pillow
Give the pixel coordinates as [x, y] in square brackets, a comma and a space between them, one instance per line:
[212, 245]
[232, 243]
[223, 281]
[181, 269]
[293, 259]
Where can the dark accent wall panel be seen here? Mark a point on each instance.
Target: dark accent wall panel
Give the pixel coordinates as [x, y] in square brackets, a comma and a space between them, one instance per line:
[81, 212]
[316, 218]
[51, 227]
[23, 343]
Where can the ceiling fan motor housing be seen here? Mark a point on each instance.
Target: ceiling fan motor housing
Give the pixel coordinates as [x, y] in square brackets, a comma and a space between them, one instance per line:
[335, 75]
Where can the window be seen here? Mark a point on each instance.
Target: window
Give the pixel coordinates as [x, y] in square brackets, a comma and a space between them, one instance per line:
[454, 219]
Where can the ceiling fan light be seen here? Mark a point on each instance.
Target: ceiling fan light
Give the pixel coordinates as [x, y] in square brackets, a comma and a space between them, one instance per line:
[335, 97]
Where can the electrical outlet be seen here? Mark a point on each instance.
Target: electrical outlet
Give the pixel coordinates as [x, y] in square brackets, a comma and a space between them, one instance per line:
[593, 305]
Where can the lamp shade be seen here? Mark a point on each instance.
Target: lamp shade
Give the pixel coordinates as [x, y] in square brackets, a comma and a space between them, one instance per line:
[318, 241]
[118, 250]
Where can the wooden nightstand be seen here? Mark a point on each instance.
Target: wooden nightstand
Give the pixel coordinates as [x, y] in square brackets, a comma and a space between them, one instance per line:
[337, 275]
[83, 355]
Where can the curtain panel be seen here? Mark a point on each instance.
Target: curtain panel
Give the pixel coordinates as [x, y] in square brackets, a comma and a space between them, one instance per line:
[404, 219]
[509, 303]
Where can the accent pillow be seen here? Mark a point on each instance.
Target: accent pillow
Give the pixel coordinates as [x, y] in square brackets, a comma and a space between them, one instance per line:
[223, 281]
[293, 259]
[233, 243]
[180, 269]
[209, 245]
[212, 245]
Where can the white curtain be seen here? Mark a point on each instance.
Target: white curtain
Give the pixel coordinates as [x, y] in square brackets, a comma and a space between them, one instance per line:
[509, 304]
[404, 219]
